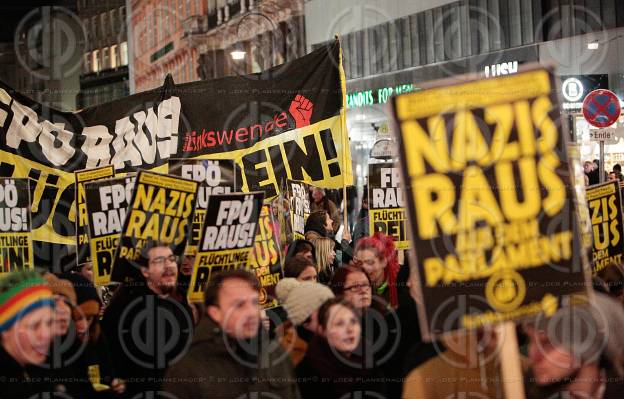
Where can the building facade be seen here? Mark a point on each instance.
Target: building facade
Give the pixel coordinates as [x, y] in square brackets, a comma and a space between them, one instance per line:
[104, 74]
[246, 36]
[44, 56]
[395, 46]
[159, 45]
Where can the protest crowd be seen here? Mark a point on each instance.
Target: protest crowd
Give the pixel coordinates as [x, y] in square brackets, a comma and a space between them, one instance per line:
[343, 327]
[190, 284]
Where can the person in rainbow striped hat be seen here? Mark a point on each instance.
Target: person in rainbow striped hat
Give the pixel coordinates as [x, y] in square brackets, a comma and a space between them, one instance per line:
[26, 315]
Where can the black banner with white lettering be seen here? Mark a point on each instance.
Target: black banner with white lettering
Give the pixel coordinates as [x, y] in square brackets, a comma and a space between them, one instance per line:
[286, 122]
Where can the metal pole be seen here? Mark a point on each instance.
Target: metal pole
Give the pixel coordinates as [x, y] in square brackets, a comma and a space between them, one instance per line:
[601, 168]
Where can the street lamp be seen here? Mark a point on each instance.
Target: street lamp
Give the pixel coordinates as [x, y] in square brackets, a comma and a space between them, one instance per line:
[237, 55]
[593, 45]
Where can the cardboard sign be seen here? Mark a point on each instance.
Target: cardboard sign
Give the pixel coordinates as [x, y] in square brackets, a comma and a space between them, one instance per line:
[299, 207]
[161, 212]
[16, 249]
[605, 212]
[215, 177]
[492, 209]
[265, 260]
[386, 212]
[107, 203]
[228, 234]
[82, 239]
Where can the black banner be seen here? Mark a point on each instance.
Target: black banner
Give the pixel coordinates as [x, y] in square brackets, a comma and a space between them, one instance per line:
[287, 122]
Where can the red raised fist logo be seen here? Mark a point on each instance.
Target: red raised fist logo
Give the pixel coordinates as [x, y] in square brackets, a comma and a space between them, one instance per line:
[301, 110]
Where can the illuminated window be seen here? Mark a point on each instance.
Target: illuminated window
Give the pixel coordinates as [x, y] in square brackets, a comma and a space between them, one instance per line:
[95, 63]
[123, 53]
[114, 56]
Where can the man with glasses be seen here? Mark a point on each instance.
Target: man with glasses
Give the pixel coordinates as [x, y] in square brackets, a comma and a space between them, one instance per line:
[148, 323]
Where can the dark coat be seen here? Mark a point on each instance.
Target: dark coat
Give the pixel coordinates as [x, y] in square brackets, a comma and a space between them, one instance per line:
[146, 333]
[17, 382]
[95, 354]
[60, 371]
[323, 374]
[215, 367]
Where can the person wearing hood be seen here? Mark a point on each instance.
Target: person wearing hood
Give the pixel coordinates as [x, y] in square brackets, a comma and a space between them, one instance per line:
[301, 300]
[586, 362]
[26, 331]
[231, 356]
[148, 324]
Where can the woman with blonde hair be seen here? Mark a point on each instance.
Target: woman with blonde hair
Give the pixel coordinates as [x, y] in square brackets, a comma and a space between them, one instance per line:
[325, 255]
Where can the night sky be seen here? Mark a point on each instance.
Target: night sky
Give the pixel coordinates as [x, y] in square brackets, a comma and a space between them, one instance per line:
[12, 11]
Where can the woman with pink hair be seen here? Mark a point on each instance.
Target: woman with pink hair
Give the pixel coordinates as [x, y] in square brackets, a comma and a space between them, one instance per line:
[378, 257]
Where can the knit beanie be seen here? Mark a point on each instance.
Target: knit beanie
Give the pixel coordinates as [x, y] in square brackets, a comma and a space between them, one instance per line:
[21, 293]
[61, 287]
[301, 299]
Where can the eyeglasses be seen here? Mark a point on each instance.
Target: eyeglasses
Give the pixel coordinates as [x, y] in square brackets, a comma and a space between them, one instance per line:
[160, 260]
[358, 287]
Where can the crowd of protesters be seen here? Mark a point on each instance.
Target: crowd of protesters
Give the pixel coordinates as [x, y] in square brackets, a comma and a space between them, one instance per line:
[347, 326]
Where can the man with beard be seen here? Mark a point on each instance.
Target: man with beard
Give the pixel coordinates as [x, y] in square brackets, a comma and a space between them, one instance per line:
[231, 355]
[148, 324]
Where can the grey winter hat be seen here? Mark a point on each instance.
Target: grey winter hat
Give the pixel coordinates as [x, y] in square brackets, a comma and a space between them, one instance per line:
[591, 332]
[301, 299]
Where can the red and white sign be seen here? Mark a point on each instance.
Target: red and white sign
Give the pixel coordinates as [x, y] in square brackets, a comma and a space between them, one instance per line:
[601, 108]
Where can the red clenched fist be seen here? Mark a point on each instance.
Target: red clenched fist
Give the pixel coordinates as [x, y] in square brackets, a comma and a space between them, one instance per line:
[301, 110]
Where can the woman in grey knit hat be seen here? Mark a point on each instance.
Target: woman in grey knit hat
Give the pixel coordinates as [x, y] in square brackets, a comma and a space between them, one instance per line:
[578, 352]
[301, 300]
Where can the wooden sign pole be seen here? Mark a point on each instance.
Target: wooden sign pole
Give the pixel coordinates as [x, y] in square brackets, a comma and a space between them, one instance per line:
[509, 355]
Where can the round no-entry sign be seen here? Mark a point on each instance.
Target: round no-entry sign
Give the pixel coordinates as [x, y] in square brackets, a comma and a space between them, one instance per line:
[601, 108]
